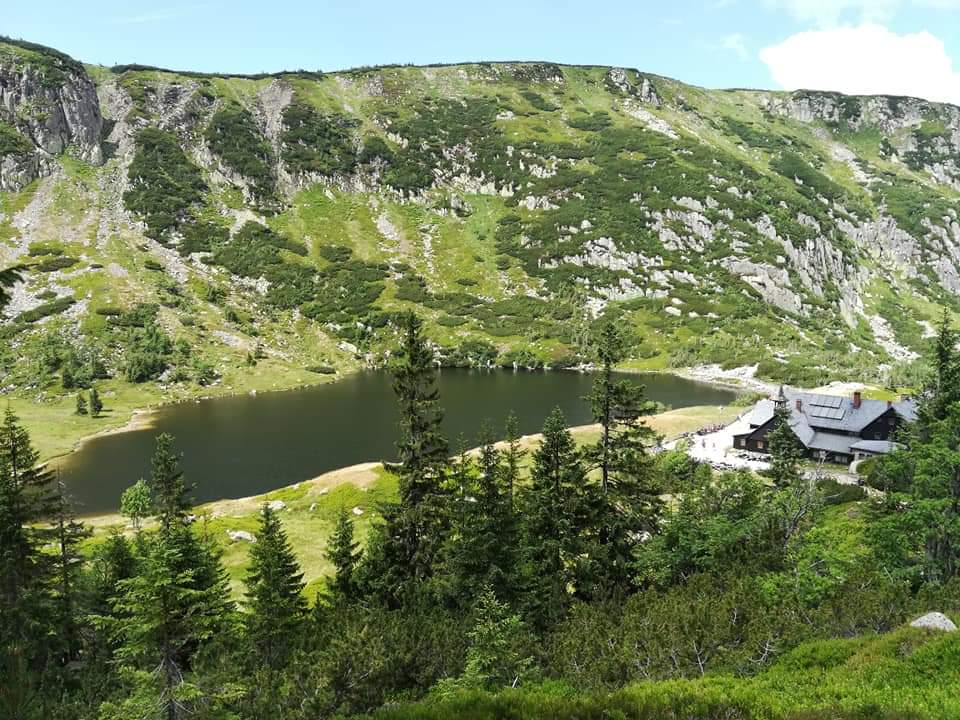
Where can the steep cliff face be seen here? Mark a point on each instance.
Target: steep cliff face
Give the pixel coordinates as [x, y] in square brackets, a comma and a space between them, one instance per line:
[510, 204]
[50, 103]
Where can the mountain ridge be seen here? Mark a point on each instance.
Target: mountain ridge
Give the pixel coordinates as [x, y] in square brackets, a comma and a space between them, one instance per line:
[280, 74]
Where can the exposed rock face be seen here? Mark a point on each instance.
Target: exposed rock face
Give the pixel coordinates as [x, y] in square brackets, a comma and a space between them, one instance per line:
[935, 621]
[55, 112]
[630, 82]
[773, 284]
[17, 171]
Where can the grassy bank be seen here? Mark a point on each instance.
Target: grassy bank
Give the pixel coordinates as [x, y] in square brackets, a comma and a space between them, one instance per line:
[56, 429]
[311, 507]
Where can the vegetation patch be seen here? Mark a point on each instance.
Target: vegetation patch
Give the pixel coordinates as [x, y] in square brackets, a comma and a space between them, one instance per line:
[12, 142]
[164, 184]
[46, 310]
[316, 143]
[233, 136]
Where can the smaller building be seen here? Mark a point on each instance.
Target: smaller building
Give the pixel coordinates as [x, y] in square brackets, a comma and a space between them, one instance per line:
[830, 427]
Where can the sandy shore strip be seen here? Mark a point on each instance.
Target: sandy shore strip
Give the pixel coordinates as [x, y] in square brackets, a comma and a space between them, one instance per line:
[140, 419]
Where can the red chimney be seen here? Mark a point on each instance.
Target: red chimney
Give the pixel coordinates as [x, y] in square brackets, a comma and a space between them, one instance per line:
[856, 399]
[799, 405]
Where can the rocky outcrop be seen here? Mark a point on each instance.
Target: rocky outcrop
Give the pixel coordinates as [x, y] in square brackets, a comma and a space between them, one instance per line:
[16, 171]
[633, 84]
[55, 107]
[771, 283]
[935, 621]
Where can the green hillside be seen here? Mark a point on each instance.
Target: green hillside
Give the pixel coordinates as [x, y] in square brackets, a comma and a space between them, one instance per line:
[193, 227]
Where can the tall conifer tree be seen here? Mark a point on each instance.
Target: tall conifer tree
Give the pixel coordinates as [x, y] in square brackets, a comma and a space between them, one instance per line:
[342, 552]
[274, 591]
[482, 546]
[67, 563]
[25, 500]
[629, 502]
[413, 532]
[423, 451]
[178, 602]
[552, 523]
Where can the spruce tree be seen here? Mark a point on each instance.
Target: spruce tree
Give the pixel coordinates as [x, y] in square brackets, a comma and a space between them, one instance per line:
[274, 584]
[96, 404]
[178, 602]
[81, 404]
[942, 389]
[67, 381]
[422, 448]
[342, 552]
[67, 563]
[628, 503]
[618, 406]
[164, 618]
[113, 562]
[496, 657]
[786, 452]
[553, 518]
[25, 500]
[413, 531]
[482, 545]
[512, 457]
[167, 485]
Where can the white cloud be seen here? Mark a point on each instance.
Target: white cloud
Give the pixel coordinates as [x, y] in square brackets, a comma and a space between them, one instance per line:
[827, 13]
[867, 59]
[734, 43]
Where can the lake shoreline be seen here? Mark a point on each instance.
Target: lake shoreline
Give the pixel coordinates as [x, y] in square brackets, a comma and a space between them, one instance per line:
[671, 423]
[247, 443]
[143, 418]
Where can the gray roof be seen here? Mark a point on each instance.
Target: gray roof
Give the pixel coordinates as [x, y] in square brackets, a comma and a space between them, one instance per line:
[830, 412]
[801, 428]
[877, 447]
[831, 443]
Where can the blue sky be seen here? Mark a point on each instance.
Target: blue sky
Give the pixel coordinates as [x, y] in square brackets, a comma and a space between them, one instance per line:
[894, 46]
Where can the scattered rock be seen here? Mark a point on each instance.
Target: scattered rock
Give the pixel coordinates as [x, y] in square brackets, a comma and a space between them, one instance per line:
[241, 535]
[357, 511]
[935, 621]
[277, 505]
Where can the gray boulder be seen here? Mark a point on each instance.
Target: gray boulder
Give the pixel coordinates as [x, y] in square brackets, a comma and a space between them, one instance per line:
[935, 621]
[243, 535]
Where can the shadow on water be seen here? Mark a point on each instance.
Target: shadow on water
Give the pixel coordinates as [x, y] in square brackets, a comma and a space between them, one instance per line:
[250, 444]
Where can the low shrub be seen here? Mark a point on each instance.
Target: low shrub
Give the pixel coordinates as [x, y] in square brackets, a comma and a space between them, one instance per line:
[322, 369]
[42, 248]
[835, 493]
[41, 311]
[57, 262]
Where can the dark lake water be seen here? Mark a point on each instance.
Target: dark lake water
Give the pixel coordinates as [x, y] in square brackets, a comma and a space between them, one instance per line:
[245, 445]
